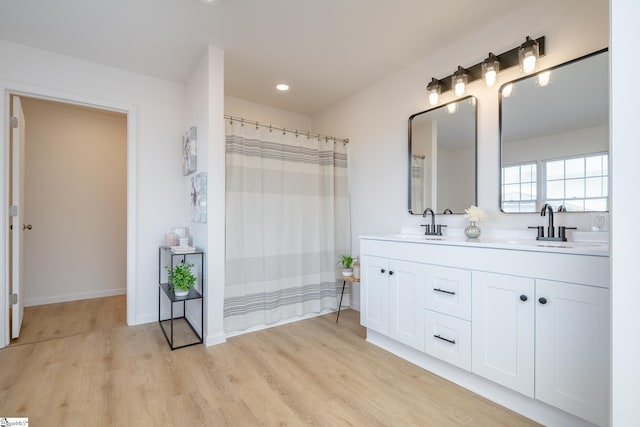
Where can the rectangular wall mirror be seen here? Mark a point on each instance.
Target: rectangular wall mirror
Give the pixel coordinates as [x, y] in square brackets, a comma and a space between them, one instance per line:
[442, 158]
[554, 138]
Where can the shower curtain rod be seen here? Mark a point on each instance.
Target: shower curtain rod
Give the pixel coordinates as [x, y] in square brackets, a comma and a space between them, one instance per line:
[285, 130]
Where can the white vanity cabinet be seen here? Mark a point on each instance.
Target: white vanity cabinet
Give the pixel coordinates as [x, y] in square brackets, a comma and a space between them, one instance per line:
[572, 348]
[534, 321]
[391, 303]
[374, 296]
[503, 330]
[448, 315]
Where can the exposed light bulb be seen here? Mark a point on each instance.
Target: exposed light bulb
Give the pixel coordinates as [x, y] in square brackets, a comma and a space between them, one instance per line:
[490, 67]
[459, 81]
[490, 77]
[507, 90]
[544, 78]
[433, 90]
[528, 53]
[529, 63]
[433, 98]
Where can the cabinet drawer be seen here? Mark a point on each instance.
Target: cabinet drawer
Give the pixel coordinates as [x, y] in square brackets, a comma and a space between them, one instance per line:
[448, 338]
[448, 291]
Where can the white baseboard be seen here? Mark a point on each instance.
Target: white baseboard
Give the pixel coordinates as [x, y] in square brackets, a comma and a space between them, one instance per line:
[30, 302]
[215, 339]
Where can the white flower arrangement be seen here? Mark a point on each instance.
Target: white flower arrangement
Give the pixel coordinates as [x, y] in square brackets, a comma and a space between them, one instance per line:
[475, 213]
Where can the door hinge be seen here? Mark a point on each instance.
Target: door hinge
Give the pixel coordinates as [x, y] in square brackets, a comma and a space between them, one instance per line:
[14, 299]
[13, 122]
[13, 210]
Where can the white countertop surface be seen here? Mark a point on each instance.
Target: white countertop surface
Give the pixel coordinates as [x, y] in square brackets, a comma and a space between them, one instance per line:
[582, 247]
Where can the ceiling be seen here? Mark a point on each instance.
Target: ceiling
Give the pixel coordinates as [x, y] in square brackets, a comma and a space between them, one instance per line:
[326, 50]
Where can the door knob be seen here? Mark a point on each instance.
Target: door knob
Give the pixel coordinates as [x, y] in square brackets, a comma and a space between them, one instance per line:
[542, 300]
[523, 298]
[27, 227]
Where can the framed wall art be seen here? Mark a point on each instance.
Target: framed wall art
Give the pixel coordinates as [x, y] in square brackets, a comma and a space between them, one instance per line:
[199, 197]
[190, 151]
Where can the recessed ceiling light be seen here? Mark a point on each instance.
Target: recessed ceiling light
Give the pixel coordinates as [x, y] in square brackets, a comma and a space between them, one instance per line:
[212, 2]
[282, 87]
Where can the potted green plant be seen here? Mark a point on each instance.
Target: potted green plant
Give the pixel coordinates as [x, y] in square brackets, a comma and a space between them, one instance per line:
[181, 279]
[347, 262]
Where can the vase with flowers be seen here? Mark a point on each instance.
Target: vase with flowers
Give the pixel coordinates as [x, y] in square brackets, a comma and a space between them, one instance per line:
[474, 213]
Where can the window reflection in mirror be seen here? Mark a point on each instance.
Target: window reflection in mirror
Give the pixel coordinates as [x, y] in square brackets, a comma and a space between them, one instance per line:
[554, 135]
[442, 158]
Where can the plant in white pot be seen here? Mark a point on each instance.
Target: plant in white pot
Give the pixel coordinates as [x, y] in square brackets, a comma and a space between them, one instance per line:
[181, 279]
[347, 262]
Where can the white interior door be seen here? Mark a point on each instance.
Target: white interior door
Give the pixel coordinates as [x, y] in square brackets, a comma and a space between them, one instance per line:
[17, 220]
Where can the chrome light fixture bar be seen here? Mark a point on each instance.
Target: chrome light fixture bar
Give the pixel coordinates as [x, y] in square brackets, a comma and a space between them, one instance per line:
[488, 69]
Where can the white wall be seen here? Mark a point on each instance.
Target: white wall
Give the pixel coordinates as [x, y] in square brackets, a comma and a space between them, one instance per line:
[159, 111]
[625, 152]
[241, 108]
[75, 197]
[375, 119]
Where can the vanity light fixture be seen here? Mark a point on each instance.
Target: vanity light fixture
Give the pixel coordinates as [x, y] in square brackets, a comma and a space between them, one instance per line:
[528, 54]
[488, 69]
[433, 91]
[459, 81]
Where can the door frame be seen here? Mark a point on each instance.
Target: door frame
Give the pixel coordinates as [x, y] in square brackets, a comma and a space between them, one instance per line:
[10, 88]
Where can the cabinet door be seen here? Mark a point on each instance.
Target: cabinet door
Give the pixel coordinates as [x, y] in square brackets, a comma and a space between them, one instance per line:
[572, 348]
[448, 291]
[406, 293]
[374, 294]
[502, 330]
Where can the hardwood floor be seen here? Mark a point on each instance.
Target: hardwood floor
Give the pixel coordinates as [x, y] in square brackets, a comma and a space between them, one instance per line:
[50, 321]
[312, 372]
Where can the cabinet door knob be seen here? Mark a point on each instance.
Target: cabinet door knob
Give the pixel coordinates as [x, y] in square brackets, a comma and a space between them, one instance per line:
[382, 270]
[523, 298]
[390, 273]
[542, 300]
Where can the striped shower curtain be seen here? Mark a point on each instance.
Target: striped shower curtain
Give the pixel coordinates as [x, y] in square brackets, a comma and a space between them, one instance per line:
[287, 220]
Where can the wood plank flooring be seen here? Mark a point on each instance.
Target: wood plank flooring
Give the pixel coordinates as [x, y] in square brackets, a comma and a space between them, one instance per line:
[312, 372]
[50, 321]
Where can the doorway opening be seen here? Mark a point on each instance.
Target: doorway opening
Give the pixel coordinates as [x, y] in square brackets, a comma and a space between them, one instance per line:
[85, 247]
[73, 218]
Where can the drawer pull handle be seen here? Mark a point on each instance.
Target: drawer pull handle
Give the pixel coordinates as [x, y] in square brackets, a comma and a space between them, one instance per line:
[445, 339]
[382, 270]
[443, 291]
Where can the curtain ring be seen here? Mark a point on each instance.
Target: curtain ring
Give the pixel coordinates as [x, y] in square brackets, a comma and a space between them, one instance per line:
[296, 133]
[270, 128]
[241, 122]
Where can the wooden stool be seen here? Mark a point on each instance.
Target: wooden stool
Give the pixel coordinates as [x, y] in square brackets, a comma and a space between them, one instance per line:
[345, 279]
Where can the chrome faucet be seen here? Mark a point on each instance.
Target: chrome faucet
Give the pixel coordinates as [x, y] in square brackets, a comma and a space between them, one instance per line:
[433, 220]
[551, 235]
[432, 229]
[548, 208]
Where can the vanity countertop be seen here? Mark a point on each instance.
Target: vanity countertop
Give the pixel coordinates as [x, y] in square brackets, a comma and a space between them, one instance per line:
[593, 248]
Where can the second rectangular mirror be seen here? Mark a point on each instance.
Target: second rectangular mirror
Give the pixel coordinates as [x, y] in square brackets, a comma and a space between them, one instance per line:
[554, 137]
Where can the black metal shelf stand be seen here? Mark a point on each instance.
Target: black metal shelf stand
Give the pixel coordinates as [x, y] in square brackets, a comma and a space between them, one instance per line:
[167, 257]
